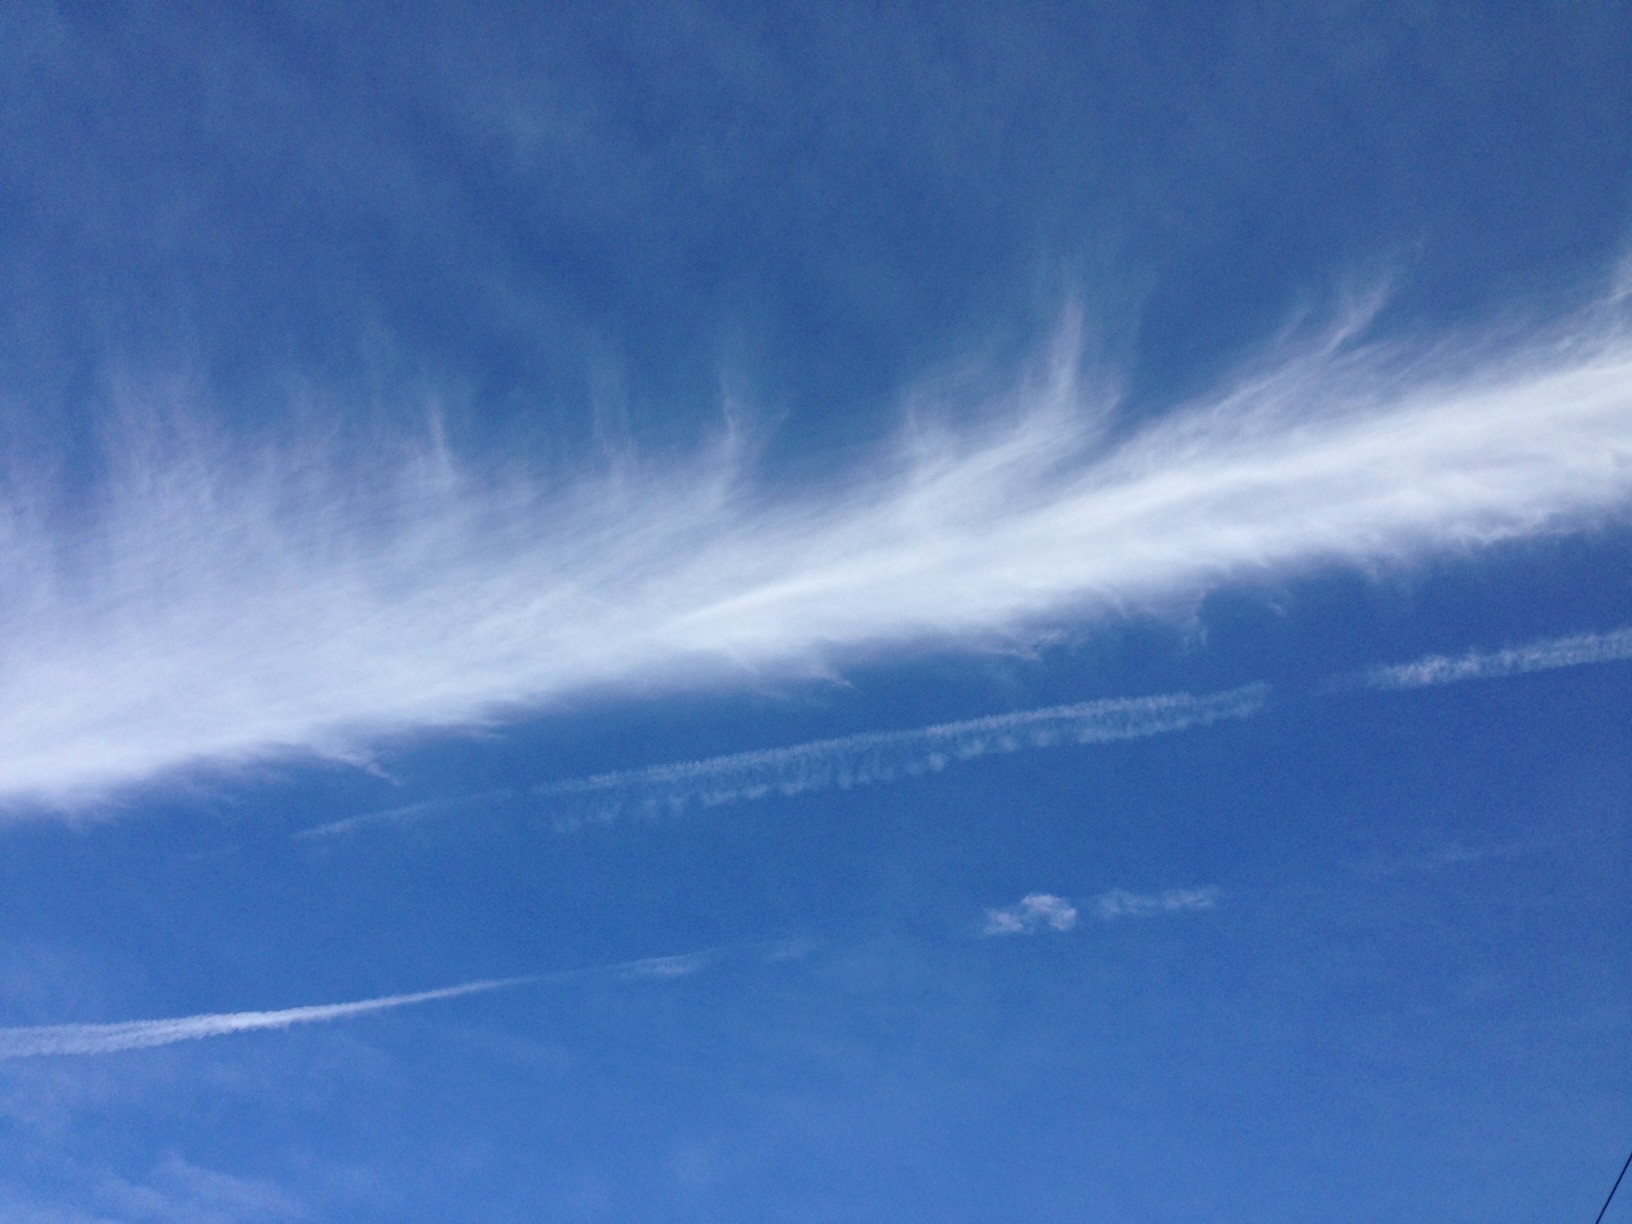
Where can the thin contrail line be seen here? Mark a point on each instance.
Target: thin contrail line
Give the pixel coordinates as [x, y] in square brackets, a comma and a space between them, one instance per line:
[48, 1039]
[854, 761]
[870, 758]
[845, 762]
[1543, 655]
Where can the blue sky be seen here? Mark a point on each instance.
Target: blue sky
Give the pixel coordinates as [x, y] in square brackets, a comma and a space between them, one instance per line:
[731, 612]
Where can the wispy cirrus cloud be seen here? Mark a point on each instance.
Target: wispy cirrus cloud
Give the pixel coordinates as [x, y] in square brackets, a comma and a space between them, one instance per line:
[38, 1040]
[212, 605]
[1544, 655]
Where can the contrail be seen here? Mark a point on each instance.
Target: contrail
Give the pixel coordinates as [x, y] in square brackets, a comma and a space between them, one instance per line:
[1544, 655]
[866, 759]
[140, 1034]
[34, 1041]
[884, 756]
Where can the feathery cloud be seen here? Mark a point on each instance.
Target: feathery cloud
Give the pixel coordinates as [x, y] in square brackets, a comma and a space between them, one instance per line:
[1544, 655]
[212, 605]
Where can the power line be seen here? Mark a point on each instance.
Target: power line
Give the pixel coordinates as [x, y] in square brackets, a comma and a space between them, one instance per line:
[1612, 1189]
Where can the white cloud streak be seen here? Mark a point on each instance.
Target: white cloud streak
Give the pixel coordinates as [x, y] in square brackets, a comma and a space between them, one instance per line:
[1032, 914]
[201, 607]
[1119, 903]
[1543, 655]
[406, 814]
[38, 1040]
[142, 1034]
[884, 756]
[683, 965]
[1040, 911]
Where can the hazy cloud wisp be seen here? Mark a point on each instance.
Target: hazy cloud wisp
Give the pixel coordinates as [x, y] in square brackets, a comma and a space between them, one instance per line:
[1544, 655]
[1032, 913]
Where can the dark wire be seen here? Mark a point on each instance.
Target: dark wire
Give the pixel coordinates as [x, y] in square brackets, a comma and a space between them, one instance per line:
[1612, 1189]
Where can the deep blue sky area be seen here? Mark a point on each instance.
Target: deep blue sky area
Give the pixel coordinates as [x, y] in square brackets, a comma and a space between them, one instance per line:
[1002, 611]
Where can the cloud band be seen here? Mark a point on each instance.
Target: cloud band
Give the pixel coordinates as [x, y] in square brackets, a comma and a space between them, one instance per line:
[212, 608]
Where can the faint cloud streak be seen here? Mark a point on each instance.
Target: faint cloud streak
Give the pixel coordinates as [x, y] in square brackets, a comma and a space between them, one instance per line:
[1045, 911]
[1119, 903]
[1544, 655]
[884, 756]
[60, 1039]
[143, 1034]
